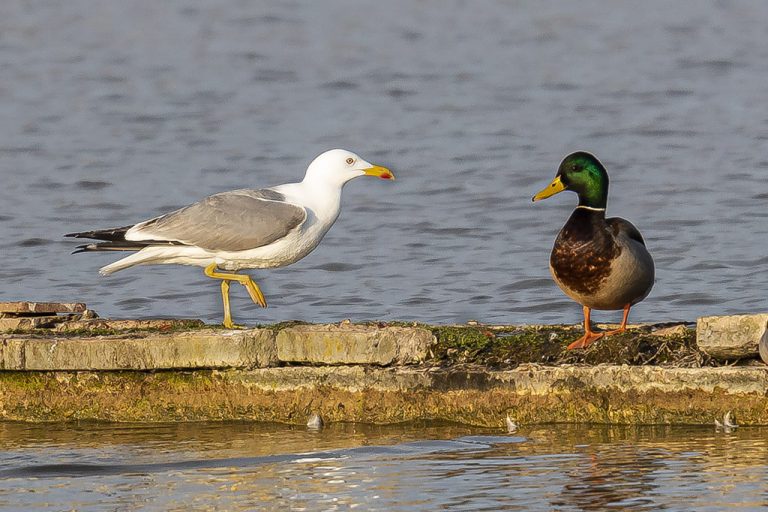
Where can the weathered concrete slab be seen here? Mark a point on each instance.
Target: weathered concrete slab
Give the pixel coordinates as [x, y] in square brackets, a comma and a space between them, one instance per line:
[41, 307]
[731, 337]
[150, 351]
[26, 323]
[531, 394]
[353, 344]
[103, 324]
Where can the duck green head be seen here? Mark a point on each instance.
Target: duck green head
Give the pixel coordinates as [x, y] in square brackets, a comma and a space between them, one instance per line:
[582, 173]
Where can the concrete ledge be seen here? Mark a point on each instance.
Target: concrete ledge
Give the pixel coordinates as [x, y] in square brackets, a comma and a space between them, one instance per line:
[149, 351]
[731, 337]
[369, 373]
[531, 394]
[209, 348]
[353, 344]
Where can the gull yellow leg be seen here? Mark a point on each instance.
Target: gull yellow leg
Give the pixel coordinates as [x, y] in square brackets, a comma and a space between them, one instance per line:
[250, 285]
[225, 299]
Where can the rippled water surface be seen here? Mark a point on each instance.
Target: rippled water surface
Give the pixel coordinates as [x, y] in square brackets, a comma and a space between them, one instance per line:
[112, 112]
[243, 466]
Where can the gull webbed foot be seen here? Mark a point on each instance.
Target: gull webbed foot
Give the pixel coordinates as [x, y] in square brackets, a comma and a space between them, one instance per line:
[254, 291]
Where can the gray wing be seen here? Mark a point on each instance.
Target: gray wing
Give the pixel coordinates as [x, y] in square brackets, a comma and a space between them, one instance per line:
[619, 225]
[230, 221]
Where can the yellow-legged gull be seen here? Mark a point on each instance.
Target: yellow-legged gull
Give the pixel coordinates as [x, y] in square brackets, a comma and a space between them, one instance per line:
[241, 229]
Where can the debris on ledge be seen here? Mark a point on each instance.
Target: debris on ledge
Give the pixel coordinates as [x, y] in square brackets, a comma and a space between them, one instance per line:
[23, 316]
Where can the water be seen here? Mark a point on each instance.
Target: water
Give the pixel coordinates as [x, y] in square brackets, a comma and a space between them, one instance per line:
[113, 112]
[243, 466]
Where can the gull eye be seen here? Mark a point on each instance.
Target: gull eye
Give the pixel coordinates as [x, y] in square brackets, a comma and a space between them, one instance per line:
[350, 161]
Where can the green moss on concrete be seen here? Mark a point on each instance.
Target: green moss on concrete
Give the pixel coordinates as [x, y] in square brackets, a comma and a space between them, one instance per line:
[29, 381]
[499, 348]
[469, 340]
[279, 326]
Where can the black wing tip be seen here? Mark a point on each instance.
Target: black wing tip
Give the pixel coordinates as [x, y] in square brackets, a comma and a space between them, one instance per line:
[122, 245]
[110, 234]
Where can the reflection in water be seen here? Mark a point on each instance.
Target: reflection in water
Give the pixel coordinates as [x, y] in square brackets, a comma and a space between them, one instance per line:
[246, 466]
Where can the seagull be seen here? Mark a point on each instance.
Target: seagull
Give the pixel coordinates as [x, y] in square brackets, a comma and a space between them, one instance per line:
[240, 229]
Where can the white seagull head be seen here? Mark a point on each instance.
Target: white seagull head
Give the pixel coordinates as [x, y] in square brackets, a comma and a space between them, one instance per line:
[338, 166]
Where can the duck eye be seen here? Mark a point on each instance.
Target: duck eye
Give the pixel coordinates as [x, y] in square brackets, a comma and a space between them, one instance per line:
[350, 161]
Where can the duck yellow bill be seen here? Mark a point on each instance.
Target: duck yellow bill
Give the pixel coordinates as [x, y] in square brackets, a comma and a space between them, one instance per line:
[379, 172]
[550, 190]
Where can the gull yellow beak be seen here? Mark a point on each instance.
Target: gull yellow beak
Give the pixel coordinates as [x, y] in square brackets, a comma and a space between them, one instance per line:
[553, 188]
[379, 172]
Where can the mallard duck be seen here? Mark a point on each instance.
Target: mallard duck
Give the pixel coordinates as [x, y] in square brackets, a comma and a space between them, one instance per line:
[600, 263]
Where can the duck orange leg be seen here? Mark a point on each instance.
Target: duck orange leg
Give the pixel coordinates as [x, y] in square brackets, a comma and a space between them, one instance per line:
[623, 327]
[589, 334]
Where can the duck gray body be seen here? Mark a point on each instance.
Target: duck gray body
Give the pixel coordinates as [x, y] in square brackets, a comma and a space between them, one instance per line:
[601, 263]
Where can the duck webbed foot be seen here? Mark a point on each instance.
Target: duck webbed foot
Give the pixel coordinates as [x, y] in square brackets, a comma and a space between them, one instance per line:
[589, 335]
[586, 340]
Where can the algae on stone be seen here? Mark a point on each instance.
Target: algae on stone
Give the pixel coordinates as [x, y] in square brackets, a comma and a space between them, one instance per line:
[499, 348]
[606, 394]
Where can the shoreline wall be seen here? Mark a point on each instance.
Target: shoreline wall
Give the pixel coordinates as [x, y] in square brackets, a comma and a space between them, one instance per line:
[373, 374]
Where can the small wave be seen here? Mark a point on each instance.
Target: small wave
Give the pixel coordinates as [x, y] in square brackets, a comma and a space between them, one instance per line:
[416, 448]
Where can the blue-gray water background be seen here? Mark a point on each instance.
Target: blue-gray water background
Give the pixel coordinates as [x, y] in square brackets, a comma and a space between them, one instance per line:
[113, 112]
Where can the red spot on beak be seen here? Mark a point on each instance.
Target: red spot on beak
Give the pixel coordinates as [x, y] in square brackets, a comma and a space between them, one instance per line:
[386, 176]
